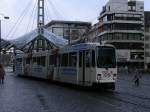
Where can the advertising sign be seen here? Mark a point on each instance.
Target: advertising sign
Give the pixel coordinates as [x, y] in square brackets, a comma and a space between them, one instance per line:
[123, 55]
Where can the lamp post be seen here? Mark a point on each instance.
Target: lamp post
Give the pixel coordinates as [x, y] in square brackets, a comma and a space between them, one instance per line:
[4, 17]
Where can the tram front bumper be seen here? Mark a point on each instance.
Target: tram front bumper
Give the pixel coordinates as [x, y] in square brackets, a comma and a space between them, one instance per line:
[110, 85]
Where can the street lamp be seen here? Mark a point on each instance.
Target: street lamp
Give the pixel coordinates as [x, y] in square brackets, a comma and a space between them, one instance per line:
[4, 17]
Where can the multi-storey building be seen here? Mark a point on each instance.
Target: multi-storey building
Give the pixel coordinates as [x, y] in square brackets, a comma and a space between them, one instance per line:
[121, 23]
[71, 30]
[147, 39]
[93, 33]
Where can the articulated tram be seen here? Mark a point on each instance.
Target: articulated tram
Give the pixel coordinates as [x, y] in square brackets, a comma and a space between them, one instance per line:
[86, 64]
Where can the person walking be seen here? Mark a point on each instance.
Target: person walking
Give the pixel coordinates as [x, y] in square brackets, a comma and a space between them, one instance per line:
[2, 74]
[136, 77]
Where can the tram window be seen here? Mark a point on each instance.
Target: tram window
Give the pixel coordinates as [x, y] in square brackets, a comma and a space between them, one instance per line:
[34, 60]
[72, 59]
[27, 61]
[59, 60]
[19, 59]
[80, 59]
[52, 60]
[38, 61]
[93, 58]
[43, 61]
[88, 58]
[64, 61]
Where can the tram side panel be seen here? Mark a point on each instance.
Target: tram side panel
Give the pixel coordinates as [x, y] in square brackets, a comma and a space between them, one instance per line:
[67, 68]
[39, 66]
[68, 75]
[19, 66]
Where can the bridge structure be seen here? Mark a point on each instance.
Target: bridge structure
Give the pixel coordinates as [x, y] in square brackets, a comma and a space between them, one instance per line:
[37, 39]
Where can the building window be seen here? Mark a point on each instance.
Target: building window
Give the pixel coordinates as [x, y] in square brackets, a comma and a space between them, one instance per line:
[147, 38]
[147, 54]
[109, 8]
[74, 34]
[141, 7]
[58, 31]
[66, 33]
[110, 36]
[124, 36]
[147, 46]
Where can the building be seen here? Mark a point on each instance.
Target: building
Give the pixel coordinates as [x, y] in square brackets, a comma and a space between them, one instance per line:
[121, 23]
[93, 33]
[71, 30]
[147, 39]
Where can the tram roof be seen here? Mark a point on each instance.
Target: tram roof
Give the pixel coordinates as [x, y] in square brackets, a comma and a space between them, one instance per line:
[92, 44]
[83, 46]
[27, 38]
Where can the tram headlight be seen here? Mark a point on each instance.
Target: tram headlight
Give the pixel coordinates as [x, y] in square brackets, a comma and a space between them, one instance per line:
[99, 76]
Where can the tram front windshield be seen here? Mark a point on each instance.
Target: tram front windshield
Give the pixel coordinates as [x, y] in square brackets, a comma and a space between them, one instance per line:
[106, 57]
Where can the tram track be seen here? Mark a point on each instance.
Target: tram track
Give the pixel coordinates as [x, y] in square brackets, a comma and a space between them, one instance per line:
[117, 99]
[122, 97]
[136, 96]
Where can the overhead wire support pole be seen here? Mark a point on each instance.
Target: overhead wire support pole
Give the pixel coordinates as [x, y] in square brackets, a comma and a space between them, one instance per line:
[40, 18]
[4, 17]
[0, 40]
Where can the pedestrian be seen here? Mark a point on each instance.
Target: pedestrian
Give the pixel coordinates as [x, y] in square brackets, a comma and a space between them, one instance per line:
[136, 77]
[2, 74]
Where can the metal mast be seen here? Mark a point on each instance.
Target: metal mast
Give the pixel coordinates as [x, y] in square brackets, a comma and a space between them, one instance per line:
[40, 17]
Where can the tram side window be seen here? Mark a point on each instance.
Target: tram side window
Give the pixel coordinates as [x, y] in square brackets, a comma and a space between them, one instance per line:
[27, 61]
[80, 59]
[72, 59]
[93, 58]
[88, 58]
[39, 60]
[64, 60]
[19, 59]
[52, 60]
[43, 63]
[34, 60]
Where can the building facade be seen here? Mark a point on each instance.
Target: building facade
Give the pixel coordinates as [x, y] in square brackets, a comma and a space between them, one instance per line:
[93, 33]
[121, 23]
[71, 30]
[147, 39]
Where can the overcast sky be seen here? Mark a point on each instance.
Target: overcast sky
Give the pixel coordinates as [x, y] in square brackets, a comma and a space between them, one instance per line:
[78, 10]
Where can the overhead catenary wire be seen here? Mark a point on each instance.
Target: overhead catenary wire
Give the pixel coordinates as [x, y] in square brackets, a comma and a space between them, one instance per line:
[34, 20]
[58, 14]
[47, 11]
[30, 21]
[14, 27]
[31, 11]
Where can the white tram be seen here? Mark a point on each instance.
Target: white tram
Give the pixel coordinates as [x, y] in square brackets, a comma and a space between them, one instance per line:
[86, 64]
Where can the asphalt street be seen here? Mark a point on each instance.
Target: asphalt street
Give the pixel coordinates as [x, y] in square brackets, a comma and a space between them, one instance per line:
[19, 94]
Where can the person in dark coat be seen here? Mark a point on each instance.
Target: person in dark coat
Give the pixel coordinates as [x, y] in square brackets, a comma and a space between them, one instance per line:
[137, 77]
[2, 74]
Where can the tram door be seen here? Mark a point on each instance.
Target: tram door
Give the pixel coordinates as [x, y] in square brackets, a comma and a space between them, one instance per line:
[86, 67]
[81, 70]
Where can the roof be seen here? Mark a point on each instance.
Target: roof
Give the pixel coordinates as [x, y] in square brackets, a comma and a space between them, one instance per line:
[67, 22]
[5, 44]
[27, 38]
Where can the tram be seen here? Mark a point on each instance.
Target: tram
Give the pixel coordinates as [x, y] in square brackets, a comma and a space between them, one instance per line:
[86, 64]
